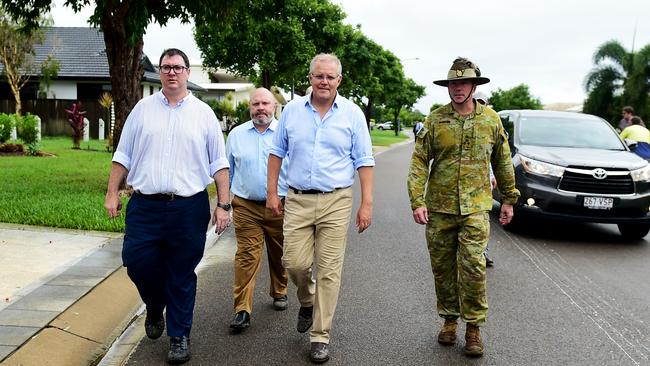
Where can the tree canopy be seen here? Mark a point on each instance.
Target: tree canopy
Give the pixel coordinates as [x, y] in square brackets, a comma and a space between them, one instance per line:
[518, 97]
[619, 78]
[123, 23]
[269, 41]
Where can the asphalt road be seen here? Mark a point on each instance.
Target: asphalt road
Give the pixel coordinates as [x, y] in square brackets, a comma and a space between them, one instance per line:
[559, 295]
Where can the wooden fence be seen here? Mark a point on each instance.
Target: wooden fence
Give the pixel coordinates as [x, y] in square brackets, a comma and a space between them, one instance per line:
[54, 120]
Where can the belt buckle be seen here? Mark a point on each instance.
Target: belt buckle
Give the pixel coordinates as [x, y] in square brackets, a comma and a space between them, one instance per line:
[171, 196]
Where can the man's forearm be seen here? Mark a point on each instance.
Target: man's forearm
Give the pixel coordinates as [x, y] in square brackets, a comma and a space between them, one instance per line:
[366, 181]
[221, 181]
[118, 171]
[273, 174]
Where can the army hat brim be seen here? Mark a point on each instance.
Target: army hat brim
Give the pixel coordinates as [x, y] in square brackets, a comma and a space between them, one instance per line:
[465, 74]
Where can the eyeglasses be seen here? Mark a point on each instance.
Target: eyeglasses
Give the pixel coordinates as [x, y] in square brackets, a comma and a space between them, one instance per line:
[166, 69]
[329, 78]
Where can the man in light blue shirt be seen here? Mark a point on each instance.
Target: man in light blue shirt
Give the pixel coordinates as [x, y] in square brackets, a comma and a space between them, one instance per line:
[326, 138]
[247, 149]
[170, 149]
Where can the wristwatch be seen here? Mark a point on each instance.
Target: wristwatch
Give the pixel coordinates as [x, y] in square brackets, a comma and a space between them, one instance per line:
[224, 206]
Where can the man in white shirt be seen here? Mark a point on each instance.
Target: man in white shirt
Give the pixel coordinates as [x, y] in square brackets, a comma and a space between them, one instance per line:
[170, 149]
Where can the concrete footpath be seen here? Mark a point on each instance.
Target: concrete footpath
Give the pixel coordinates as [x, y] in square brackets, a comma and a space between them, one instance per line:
[64, 295]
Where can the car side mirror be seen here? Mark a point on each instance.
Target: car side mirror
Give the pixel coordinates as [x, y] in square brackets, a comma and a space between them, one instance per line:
[630, 143]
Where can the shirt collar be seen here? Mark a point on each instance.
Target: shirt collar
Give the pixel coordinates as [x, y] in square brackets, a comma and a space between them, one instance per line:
[335, 105]
[165, 101]
[274, 124]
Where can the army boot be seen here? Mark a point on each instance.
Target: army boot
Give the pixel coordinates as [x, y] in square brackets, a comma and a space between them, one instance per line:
[447, 335]
[473, 342]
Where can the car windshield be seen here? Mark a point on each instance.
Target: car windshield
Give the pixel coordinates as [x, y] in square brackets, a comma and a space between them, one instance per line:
[567, 132]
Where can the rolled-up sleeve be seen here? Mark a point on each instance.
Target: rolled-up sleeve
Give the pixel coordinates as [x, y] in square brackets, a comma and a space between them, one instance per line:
[216, 147]
[124, 151]
[361, 144]
[279, 144]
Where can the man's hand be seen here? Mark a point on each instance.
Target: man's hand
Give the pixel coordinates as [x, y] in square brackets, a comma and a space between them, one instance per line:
[421, 215]
[275, 204]
[493, 182]
[506, 214]
[220, 219]
[364, 217]
[113, 205]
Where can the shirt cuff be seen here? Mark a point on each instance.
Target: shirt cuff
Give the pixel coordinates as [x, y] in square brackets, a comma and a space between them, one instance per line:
[365, 161]
[278, 152]
[122, 159]
[217, 165]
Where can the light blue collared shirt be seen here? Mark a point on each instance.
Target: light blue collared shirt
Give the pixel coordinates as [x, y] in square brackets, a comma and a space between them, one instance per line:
[171, 149]
[248, 154]
[323, 154]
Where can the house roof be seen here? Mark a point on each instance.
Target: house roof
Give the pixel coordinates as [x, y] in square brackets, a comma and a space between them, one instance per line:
[81, 53]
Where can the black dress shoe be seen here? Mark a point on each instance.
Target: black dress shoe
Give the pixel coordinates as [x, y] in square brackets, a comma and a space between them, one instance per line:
[280, 303]
[488, 261]
[179, 350]
[305, 319]
[242, 320]
[154, 325]
[319, 352]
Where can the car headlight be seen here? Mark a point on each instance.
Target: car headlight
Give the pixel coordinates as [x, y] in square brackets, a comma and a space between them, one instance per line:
[538, 167]
[641, 175]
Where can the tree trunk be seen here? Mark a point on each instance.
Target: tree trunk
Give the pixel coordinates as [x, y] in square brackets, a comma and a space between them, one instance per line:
[124, 59]
[397, 123]
[266, 79]
[368, 112]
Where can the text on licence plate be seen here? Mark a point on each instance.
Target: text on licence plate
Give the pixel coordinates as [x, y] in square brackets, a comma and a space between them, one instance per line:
[599, 203]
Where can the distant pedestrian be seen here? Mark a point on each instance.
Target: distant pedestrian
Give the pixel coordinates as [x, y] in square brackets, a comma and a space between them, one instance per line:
[450, 193]
[170, 149]
[326, 139]
[628, 113]
[417, 127]
[247, 149]
[636, 132]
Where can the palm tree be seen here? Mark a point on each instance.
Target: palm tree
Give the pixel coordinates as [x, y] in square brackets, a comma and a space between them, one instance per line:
[620, 77]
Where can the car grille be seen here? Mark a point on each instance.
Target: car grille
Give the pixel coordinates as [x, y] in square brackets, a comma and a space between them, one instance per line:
[586, 183]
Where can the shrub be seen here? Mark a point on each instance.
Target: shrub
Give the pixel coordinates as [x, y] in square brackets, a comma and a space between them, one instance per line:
[11, 148]
[6, 123]
[27, 129]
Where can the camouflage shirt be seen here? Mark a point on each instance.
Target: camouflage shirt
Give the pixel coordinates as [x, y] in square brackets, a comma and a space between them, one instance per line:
[462, 149]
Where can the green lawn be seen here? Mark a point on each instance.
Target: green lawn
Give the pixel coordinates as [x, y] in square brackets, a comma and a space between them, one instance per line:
[67, 190]
[385, 138]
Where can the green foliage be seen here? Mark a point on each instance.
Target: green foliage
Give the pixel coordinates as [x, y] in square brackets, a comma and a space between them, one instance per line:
[385, 138]
[242, 113]
[403, 95]
[223, 108]
[619, 78]
[6, 124]
[269, 41]
[518, 97]
[49, 70]
[27, 131]
[435, 106]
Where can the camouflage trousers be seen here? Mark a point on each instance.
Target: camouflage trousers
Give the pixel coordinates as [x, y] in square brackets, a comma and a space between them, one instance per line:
[456, 244]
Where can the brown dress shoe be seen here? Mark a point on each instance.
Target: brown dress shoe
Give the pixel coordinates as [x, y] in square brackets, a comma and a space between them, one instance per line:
[473, 343]
[447, 335]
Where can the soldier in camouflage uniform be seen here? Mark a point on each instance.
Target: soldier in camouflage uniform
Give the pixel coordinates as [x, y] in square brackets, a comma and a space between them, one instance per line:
[452, 196]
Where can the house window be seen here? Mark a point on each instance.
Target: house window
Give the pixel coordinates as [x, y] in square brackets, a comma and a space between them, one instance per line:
[89, 91]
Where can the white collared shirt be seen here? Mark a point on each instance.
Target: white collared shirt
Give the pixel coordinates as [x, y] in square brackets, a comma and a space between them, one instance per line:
[171, 149]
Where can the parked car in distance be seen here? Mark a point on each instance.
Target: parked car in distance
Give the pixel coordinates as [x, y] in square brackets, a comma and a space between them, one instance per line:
[573, 166]
[388, 125]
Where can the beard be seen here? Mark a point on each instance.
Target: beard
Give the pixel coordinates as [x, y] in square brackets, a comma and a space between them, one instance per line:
[262, 120]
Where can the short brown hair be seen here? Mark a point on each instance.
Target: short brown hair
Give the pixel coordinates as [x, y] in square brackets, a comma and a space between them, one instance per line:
[173, 52]
[628, 109]
[636, 120]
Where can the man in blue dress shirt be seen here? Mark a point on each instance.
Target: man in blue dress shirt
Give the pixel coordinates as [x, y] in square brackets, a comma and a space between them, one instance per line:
[326, 139]
[170, 149]
[247, 149]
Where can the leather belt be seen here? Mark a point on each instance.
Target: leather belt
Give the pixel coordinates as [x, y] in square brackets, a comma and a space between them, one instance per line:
[312, 191]
[162, 196]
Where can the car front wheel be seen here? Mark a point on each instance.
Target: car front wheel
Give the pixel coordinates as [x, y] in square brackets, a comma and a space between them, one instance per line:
[634, 231]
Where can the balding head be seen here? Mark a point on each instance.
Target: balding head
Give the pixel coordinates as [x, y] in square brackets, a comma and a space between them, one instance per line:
[262, 106]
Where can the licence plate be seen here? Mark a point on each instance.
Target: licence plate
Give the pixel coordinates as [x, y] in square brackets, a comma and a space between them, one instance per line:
[599, 203]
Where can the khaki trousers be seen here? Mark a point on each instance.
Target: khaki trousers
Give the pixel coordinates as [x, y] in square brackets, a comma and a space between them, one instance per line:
[316, 229]
[255, 225]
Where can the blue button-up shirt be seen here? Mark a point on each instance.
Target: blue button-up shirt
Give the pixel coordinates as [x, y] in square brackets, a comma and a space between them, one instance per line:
[171, 149]
[248, 154]
[323, 154]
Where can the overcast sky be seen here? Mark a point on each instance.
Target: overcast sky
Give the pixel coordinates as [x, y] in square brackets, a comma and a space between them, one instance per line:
[547, 45]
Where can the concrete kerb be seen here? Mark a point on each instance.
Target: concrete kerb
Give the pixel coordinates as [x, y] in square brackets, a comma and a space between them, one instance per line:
[79, 330]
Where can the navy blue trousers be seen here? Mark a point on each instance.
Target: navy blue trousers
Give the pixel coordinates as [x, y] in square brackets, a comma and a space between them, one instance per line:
[163, 244]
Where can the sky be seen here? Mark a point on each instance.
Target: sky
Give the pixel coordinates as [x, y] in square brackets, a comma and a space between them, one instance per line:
[548, 45]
